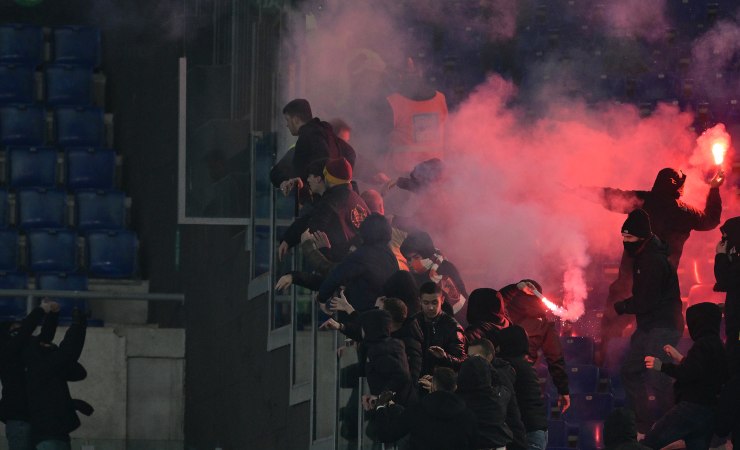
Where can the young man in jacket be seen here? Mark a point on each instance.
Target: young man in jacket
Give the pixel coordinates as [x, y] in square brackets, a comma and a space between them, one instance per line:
[444, 339]
[656, 304]
[699, 377]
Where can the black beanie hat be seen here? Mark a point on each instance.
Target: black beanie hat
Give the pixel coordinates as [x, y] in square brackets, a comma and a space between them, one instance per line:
[513, 341]
[731, 228]
[638, 224]
[419, 242]
[484, 305]
[402, 285]
[703, 319]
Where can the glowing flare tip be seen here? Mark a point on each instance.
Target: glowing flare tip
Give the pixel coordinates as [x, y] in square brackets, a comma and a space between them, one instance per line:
[718, 151]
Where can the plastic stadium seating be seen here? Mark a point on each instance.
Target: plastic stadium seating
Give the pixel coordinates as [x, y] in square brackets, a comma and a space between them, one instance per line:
[64, 282]
[77, 45]
[52, 250]
[8, 250]
[16, 84]
[578, 350]
[591, 435]
[12, 308]
[90, 168]
[700, 293]
[557, 433]
[112, 254]
[32, 167]
[22, 125]
[616, 350]
[42, 208]
[4, 216]
[583, 379]
[100, 210]
[68, 85]
[594, 406]
[80, 126]
[21, 44]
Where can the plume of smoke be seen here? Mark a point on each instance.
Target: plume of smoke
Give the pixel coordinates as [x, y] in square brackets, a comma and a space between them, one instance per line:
[636, 18]
[713, 54]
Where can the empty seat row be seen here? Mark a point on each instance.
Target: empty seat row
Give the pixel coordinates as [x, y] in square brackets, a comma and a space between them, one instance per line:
[83, 168]
[108, 254]
[73, 126]
[64, 85]
[49, 208]
[24, 44]
[15, 307]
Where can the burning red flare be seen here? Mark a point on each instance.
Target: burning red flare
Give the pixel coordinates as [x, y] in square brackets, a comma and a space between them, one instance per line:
[557, 310]
[719, 149]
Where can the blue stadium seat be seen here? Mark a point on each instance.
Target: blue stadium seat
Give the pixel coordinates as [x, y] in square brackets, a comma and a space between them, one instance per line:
[12, 308]
[591, 435]
[80, 126]
[557, 434]
[52, 250]
[21, 44]
[100, 210]
[32, 167]
[90, 168]
[22, 125]
[42, 208]
[594, 406]
[617, 390]
[64, 282]
[112, 254]
[68, 85]
[16, 84]
[8, 250]
[616, 351]
[578, 350]
[4, 209]
[583, 379]
[77, 45]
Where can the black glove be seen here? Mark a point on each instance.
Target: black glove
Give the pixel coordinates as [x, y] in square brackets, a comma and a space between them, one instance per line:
[620, 308]
[83, 407]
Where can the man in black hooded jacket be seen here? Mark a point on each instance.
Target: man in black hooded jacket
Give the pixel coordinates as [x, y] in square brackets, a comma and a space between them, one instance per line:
[656, 303]
[52, 411]
[14, 403]
[672, 222]
[699, 377]
[727, 275]
[513, 345]
[444, 339]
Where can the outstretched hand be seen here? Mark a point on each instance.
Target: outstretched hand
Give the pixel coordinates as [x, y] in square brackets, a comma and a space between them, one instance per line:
[718, 179]
[675, 355]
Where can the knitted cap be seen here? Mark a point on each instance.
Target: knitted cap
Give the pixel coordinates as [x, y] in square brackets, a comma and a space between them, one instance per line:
[638, 224]
[338, 171]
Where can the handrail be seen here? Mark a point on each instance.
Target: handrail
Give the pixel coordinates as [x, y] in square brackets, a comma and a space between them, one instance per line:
[103, 295]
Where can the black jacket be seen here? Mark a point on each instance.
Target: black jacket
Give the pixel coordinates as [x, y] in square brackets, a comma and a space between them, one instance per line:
[386, 367]
[670, 219]
[489, 403]
[52, 410]
[452, 288]
[503, 374]
[445, 332]
[316, 141]
[620, 431]
[514, 345]
[338, 213]
[523, 311]
[413, 340]
[703, 371]
[439, 421]
[14, 403]
[727, 275]
[656, 298]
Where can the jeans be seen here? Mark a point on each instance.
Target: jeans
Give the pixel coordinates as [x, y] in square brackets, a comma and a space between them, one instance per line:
[640, 383]
[53, 445]
[537, 440]
[18, 434]
[691, 422]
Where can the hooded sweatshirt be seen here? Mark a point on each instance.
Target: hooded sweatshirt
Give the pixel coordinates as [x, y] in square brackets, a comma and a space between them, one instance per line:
[486, 315]
[386, 366]
[701, 373]
[488, 403]
[439, 421]
[727, 274]
[514, 345]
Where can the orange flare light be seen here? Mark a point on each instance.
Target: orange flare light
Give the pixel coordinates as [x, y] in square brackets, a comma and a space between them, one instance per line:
[719, 150]
[557, 310]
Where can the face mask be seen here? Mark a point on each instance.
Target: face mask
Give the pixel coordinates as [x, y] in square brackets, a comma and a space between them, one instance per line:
[632, 248]
[421, 265]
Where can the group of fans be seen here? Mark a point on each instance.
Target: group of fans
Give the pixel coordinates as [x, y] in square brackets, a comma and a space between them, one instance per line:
[36, 405]
[448, 369]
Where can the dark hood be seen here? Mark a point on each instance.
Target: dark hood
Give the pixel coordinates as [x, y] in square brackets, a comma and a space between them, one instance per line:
[376, 323]
[423, 175]
[474, 375]
[668, 182]
[375, 229]
[442, 405]
[518, 304]
[703, 319]
[402, 285]
[419, 242]
[513, 341]
[732, 229]
[485, 305]
[620, 428]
